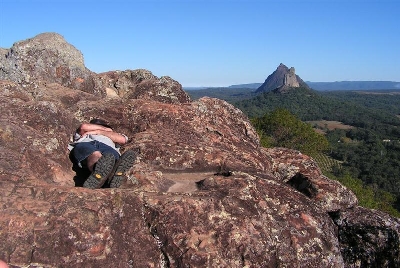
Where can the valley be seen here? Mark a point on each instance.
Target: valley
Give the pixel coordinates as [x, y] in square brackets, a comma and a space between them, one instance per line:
[362, 127]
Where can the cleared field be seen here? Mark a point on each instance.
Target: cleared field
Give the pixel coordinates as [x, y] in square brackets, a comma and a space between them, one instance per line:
[324, 125]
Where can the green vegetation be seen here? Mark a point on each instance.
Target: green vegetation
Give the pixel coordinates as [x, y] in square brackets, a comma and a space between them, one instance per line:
[385, 101]
[365, 157]
[310, 105]
[280, 128]
[368, 196]
[326, 163]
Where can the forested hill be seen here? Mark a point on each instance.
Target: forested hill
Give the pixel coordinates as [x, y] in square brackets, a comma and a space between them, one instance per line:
[357, 108]
[346, 107]
[369, 149]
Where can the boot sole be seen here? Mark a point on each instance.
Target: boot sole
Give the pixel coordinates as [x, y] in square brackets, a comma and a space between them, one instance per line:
[101, 172]
[124, 163]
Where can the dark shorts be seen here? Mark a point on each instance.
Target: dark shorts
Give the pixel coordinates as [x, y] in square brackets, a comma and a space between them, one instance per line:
[82, 150]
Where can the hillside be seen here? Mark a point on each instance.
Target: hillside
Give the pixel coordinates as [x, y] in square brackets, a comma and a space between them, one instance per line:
[349, 108]
[386, 101]
[369, 145]
[382, 100]
[369, 150]
[282, 80]
[203, 192]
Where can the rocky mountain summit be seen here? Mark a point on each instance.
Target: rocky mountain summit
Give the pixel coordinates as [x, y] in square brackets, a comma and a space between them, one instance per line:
[202, 192]
[282, 80]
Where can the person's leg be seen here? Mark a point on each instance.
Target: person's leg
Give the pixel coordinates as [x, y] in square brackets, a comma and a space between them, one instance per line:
[81, 153]
[86, 154]
[92, 159]
[3, 264]
[101, 171]
[98, 159]
[81, 173]
[105, 149]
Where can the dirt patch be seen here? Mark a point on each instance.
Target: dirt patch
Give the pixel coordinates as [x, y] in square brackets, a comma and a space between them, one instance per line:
[323, 125]
[185, 182]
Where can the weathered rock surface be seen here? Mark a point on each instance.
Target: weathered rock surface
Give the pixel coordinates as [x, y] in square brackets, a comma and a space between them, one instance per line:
[49, 58]
[141, 84]
[202, 193]
[282, 80]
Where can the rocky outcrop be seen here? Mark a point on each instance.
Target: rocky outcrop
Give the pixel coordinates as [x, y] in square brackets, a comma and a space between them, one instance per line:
[141, 84]
[290, 79]
[282, 80]
[48, 58]
[202, 192]
[366, 241]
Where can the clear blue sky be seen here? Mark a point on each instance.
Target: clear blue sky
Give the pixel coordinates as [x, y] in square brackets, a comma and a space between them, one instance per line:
[220, 42]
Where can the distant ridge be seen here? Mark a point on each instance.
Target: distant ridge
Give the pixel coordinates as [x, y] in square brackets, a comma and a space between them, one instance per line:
[339, 85]
[252, 85]
[354, 85]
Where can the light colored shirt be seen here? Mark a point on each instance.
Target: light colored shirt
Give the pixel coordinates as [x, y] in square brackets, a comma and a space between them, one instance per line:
[77, 138]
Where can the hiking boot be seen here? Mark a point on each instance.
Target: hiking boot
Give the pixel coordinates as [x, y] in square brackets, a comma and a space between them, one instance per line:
[101, 172]
[124, 163]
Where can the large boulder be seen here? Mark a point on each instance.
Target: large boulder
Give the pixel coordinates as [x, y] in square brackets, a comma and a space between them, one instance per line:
[141, 84]
[202, 192]
[46, 57]
[49, 58]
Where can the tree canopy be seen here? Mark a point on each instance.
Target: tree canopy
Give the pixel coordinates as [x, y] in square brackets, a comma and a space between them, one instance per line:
[280, 128]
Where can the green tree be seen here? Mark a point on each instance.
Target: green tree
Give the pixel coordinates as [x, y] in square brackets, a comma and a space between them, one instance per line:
[280, 128]
[368, 196]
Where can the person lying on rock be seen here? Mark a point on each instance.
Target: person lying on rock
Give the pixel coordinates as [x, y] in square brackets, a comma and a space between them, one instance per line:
[95, 154]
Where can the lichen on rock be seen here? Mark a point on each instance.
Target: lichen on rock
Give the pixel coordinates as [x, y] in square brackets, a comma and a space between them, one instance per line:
[202, 192]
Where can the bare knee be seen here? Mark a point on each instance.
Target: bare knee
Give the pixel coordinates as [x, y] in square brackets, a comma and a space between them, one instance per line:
[92, 159]
[3, 264]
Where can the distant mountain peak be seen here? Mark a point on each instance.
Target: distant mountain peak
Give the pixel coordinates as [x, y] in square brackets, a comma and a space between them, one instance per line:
[282, 80]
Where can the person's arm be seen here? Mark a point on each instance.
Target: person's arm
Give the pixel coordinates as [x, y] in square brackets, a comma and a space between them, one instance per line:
[114, 136]
[86, 127]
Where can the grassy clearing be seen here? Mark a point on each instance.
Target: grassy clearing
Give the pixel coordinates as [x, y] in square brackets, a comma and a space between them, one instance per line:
[326, 163]
[322, 126]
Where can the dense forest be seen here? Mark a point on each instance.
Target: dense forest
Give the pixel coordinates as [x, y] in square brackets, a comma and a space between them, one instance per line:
[365, 155]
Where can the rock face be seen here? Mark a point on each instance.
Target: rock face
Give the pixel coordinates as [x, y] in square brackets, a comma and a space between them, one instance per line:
[46, 57]
[202, 192]
[282, 80]
[141, 84]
